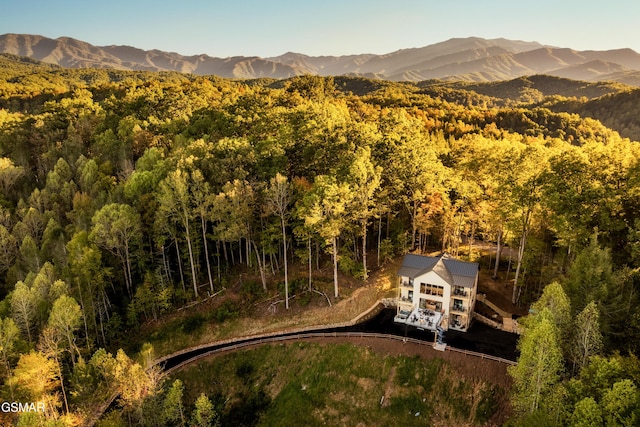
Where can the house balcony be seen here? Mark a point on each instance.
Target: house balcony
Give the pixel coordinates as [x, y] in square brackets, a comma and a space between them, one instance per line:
[458, 326]
[404, 300]
[402, 315]
[459, 308]
[406, 284]
[420, 318]
[458, 323]
[460, 292]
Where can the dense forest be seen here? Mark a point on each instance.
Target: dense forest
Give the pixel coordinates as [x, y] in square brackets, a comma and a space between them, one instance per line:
[127, 195]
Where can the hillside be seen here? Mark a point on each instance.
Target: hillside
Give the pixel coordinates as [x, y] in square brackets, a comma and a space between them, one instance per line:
[466, 59]
[528, 89]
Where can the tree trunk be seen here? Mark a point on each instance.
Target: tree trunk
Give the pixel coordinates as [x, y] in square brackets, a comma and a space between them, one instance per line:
[84, 316]
[286, 276]
[206, 251]
[379, 237]
[165, 264]
[523, 242]
[184, 288]
[365, 275]
[218, 258]
[335, 266]
[309, 248]
[498, 253]
[414, 226]
[123, 261]
[191, 261]
[128, 261]
[262, 277]
[64, 393]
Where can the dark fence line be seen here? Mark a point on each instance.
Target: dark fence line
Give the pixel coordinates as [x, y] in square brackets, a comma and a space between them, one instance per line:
[302, 336]
[372, 311]
[235, 344]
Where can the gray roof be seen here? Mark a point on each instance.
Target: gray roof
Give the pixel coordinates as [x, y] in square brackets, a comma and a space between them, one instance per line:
[453, 271]
[461, 268]
[414, 265]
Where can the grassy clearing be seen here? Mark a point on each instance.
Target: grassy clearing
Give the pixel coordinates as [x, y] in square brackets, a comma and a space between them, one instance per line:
[234, 316]
[340, 384]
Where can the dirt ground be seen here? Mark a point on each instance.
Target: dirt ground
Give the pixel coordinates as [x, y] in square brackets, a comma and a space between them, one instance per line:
[499, 292]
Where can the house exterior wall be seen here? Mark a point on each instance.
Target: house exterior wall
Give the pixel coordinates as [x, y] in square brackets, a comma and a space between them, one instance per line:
[456, 302]
[431, 278]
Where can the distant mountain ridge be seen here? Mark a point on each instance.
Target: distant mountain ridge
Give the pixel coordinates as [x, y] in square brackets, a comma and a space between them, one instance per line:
[465, 59]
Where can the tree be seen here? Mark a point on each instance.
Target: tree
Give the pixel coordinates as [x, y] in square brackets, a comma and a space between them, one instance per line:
[175, 205]
[233, 213]
[23, 308]
[556, 301]
[49, 345]
[326, 213]
[87, 277]
[415, 172]
[8, 249]
[570, 191]
[539, 365]
[487, 163]
[620, 404]
[173, 408]
[302, 231]
[277, 198]
[133, 382]
[64, 319]
[8, 336]
[30, 257]
[202, 201]
[587, 339]
[525, 191]
[589, 277]
[35, 375]
[364, 179]
[10, 174]
[586, 413]
[115, 228]
[204, 415]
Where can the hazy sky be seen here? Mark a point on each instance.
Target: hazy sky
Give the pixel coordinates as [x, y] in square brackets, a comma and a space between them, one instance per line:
[328, 27]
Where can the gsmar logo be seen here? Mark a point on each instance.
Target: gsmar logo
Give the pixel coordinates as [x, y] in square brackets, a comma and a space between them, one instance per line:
[22, 407]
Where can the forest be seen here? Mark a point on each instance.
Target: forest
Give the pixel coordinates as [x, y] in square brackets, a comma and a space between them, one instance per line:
[125, 196]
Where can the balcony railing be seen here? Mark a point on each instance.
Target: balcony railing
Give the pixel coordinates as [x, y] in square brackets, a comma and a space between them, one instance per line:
[458, 307]
[460, 292]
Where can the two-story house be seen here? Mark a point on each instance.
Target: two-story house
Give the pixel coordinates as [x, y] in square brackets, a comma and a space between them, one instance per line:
[436, 291]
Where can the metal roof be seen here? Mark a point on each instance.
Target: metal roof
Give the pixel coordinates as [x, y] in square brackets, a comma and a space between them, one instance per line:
[461, 268]
[453, 271]
[415, 265]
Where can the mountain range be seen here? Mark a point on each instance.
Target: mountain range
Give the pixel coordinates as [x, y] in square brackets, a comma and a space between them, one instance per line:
[466, 59]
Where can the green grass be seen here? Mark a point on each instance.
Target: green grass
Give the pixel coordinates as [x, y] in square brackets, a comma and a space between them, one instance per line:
[312, 384]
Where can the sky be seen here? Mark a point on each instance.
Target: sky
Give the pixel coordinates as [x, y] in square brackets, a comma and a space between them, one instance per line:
[329, 27]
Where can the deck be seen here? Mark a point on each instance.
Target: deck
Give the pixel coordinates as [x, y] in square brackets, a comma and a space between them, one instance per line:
[420, 318]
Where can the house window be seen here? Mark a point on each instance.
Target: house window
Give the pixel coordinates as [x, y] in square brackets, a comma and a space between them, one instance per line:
[429, 289]
[458, 305]
[430, 305]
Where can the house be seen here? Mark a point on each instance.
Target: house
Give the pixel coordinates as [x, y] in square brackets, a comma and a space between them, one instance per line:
[436, 292]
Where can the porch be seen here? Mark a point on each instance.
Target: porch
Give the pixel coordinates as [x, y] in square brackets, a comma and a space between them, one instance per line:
[421, 318]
